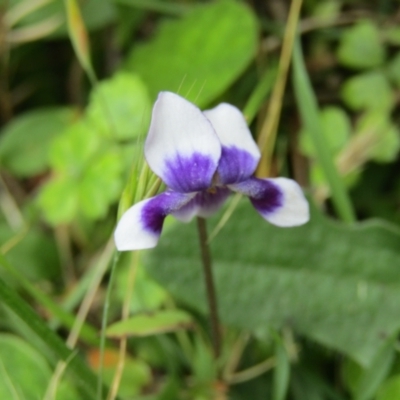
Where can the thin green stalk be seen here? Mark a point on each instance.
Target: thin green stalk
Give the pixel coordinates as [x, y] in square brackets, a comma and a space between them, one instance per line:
[83, 375]
[88, 334]
[268, 131]
[308, 107]
[260, 93]
[104, 325]
[210, 287]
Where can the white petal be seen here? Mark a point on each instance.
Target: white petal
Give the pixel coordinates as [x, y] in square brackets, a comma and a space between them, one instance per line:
[140, 226]
[280, 200]
[240, 154]
[182, 147]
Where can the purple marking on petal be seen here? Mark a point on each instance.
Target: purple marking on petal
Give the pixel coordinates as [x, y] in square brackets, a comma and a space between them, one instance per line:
[235, 165]
[204, 204]
[265, 196]
[189, 174]
[155, 211]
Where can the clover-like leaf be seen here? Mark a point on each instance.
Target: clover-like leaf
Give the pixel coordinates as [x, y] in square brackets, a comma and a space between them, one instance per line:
[24, 143]
[369, 90]
[361, 47]
[120, 107]
[336, 127]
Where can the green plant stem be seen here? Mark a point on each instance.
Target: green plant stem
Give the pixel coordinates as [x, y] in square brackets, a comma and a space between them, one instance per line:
[104, 325]
[84, 376]
[308, 107]
[210, 287]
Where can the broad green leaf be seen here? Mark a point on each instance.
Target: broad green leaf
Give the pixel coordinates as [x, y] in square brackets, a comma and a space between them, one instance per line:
[336, 126]
[120, 107]
[334, 283]
[152, 323]
[24, 143]
[386, 142]
[390, 390]
[199, 55]
[96, 14]
[360, 46]
[369, 90]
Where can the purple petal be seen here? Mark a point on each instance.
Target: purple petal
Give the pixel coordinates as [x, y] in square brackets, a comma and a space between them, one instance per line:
[240, 154]
[182, 147]
[204, 204]
[140, 226]
[189, 174]
[280, 201]
[235, 165]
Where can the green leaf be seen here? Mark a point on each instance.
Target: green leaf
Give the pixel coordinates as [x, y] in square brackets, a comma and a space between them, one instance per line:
[120, 107]
[369, 90]
[336, 127]
[199, 55]
[24, 143]
[151, 324]
[360, 46]
[334, 283]
[386, 143]
[58, 199]
[100, 185]
[87, 179]
[390, 389]
[281, 371]
[373, 376]
[23, 371]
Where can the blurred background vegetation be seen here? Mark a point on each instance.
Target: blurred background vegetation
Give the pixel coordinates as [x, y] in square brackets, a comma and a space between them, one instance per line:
[310, 313]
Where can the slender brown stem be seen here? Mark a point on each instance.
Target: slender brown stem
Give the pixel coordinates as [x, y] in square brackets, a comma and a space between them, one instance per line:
[210, 287]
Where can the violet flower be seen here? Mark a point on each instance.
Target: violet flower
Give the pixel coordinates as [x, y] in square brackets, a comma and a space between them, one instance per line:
[202, 157]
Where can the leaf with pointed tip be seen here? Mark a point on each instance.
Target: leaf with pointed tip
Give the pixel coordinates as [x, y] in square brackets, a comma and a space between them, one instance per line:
[334, 283]
[151, 324]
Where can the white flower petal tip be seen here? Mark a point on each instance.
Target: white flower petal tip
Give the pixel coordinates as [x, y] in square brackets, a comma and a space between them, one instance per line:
[280, 201]
[240, 154]
[182, 147]
[294, 209]
[131, 232]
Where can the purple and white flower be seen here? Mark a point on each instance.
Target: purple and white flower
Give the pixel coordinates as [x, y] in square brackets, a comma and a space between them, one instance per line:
[202, 157]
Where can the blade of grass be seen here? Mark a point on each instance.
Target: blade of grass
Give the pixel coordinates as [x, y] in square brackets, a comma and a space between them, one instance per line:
[308, 108]
[260, 93]
[88, 334]
[107, 302]
[267, 135]
[83, 375]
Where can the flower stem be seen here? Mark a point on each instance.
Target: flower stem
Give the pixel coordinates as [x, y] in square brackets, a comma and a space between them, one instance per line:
[210, 287]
